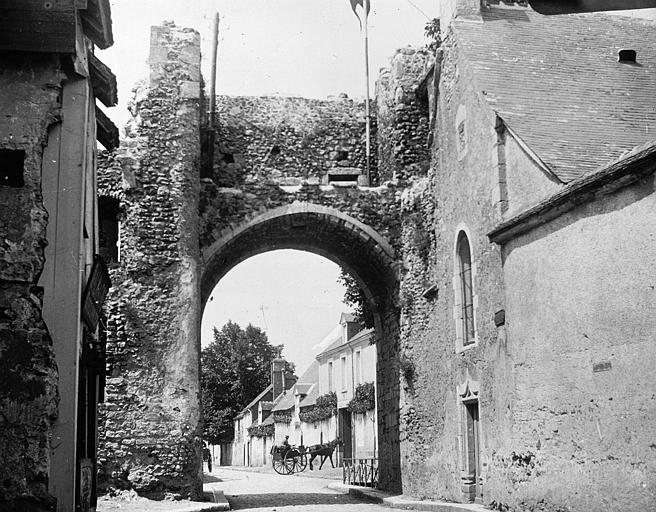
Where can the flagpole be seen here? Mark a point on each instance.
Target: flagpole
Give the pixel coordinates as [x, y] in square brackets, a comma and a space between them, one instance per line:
[366, 103]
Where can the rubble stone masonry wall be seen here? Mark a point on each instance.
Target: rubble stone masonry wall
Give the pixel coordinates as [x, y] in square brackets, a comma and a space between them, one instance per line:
[403, 117]
[274, 155]
[565, 402]
[150, 430]
[28, 375]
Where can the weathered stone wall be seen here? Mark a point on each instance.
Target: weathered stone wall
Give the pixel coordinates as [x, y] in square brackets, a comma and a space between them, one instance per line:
[29, 103]
[254, 203]
[150, 436]
[579, 308]
[289, 139]
[461, 192]
[561, 427]
[403, 119]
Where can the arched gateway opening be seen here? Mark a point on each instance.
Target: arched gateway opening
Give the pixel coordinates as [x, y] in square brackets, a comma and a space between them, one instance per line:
[180, 230]
[355, 247]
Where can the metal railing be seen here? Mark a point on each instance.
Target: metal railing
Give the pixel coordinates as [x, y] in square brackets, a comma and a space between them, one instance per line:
[362, 472]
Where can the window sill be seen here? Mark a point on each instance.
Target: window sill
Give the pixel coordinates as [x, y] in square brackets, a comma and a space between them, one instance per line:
[463, 348]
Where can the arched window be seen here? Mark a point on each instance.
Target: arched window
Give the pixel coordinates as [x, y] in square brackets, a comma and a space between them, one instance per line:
[464, 292]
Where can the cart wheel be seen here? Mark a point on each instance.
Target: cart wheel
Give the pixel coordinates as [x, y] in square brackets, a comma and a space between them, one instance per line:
[301, 462]
[279, 466]
[288, 465]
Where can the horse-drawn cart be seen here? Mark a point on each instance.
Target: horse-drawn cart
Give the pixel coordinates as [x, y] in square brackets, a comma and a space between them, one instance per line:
[287, 459]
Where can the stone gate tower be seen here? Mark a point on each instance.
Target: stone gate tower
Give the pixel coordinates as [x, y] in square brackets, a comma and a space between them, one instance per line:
[151, 433]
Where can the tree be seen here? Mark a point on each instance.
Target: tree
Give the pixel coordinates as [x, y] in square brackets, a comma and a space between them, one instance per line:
[235, 368]
[355, 297]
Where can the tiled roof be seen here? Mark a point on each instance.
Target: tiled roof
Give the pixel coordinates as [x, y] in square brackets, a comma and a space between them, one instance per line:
[557, 83]
[302, 389]
[311, 375]
[287, 401]
[338, 342]
[311, 397]
[365, 333]
[259, 397]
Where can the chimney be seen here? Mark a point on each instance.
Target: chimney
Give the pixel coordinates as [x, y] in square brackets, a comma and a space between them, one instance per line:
[467, 9]
[277, 376]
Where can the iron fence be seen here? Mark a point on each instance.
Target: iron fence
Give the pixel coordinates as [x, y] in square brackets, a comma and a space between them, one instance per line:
[362, 472]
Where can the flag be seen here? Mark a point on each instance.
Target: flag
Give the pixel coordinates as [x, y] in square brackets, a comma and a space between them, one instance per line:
[355, 3]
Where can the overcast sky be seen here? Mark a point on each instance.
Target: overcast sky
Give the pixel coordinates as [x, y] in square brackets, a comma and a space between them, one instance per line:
[309, 48]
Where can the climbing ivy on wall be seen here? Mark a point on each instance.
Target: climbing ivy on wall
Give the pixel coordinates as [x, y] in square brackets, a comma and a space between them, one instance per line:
[364, 399]
[282, 416]
[325, 407]
[262, 430]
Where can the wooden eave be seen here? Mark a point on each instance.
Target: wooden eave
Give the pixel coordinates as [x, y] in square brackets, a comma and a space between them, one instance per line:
[97, 23]
[106, 131]
[38, 26]
[103, 82]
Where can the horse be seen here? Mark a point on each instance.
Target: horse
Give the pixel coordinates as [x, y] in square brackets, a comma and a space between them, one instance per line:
[325, 451]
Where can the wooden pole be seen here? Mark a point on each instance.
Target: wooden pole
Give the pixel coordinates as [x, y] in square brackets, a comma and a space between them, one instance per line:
[366, 103]
[213, 81]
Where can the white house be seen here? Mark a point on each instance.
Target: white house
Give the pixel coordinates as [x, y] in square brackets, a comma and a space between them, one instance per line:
[347, 369]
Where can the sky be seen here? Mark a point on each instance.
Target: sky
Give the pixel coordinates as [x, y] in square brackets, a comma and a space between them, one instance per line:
[309, 48]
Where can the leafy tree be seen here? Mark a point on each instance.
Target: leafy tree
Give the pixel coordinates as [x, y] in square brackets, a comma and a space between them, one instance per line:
[356, 299]
[235, 368]
[432, 33]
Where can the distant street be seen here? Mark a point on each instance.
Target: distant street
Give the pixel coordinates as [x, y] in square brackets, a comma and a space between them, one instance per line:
[257, 491]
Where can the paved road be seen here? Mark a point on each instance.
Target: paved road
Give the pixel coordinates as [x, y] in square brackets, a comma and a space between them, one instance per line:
[255, 491]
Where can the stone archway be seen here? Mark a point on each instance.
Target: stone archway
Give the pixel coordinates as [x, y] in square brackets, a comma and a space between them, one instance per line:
[357, 248]
[179, 234]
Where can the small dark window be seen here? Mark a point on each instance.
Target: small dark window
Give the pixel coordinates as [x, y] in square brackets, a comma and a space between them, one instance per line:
[343, 178]
[627, 56]
[11, 167]
[341, 155]
[275, 150]
[108, 210]
[228, 158]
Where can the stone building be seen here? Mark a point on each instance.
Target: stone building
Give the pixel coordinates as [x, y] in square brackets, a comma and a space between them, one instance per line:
[506, 262]
[52, 282]
[522, 326]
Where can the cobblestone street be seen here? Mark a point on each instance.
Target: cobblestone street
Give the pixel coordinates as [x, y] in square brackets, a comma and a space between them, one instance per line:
[261, 491]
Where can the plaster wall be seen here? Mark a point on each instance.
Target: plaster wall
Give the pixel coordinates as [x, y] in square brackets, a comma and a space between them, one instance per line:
[579, 303]
[525, 181]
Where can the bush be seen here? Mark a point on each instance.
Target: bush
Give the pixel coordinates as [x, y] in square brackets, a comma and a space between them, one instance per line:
[325, 407]
[364, 399]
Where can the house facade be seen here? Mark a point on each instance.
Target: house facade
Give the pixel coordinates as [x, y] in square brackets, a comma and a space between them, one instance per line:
[517, 318]
[317, 409]
[346, 365]
[254, 427]
[52, 279]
